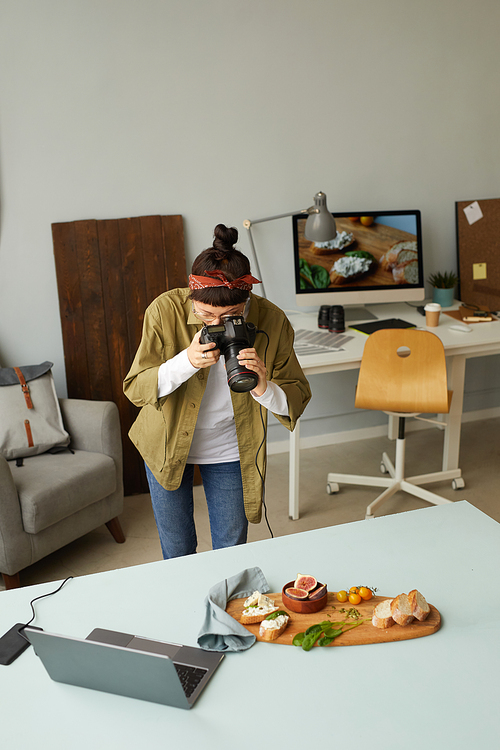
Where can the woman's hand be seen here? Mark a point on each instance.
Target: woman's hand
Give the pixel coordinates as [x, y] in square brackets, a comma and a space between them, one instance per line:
[251, 360]
[202, 355]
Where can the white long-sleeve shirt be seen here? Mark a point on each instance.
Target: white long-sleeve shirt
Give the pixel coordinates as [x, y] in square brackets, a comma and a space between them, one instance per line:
[214, 439]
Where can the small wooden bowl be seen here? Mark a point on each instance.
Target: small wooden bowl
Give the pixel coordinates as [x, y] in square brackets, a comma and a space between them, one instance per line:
[303, 606]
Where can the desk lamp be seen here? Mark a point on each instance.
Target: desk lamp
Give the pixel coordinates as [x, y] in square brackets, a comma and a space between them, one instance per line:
[320, 226]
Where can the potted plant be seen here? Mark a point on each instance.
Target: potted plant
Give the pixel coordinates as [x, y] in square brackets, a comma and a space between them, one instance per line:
[443, 287]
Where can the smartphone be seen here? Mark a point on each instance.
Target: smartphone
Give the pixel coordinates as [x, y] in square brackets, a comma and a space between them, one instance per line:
[12, 644]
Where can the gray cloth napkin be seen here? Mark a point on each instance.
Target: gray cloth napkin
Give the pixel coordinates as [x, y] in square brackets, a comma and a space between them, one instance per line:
[220, 631]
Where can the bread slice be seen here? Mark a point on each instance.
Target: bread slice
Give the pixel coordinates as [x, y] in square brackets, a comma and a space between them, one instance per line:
[253, 615]
[406, 272]
[269, 633]
[398, 253]
[382, 615]
[401, 610]
[419, 606]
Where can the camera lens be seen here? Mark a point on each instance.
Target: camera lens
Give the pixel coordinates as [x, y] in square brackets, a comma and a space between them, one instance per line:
[239, 379]
[336, 322]
[323, 316]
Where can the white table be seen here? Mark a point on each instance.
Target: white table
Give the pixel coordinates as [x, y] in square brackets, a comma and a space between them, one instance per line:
[482, 341]
[438, 691]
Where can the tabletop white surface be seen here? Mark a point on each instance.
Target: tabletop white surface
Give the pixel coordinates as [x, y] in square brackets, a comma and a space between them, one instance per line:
[483, 340]
[437, 691]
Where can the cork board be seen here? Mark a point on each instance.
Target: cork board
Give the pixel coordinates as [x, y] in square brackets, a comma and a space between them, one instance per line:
[478, 247]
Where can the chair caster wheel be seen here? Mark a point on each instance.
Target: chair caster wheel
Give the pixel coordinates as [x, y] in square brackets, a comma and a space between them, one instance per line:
[332, 488]
[457, 484]
[383, 469]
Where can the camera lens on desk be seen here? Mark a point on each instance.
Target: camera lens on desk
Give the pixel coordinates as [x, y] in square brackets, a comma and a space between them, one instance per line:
[324, 316]
[336, 322]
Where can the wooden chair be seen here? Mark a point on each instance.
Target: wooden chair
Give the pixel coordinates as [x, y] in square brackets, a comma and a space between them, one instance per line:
[403, 373]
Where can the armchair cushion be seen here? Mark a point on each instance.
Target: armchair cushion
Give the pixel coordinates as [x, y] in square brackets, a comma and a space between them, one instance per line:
[51, 488]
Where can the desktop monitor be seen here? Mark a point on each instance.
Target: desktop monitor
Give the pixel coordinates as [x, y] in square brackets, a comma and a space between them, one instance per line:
[375, 257]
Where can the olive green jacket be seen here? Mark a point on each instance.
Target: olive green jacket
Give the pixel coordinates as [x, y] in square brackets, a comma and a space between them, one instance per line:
[164, 428]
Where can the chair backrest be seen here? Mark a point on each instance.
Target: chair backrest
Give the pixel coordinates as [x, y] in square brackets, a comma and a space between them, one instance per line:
[403, 370]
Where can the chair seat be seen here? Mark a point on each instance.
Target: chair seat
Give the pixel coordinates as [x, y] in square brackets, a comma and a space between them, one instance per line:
[53, 487]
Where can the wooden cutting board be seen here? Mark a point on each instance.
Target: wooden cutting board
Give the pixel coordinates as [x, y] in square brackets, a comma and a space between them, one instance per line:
[377, 239]
[365, 633]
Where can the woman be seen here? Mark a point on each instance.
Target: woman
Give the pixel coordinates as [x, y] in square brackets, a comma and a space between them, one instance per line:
[190, 415]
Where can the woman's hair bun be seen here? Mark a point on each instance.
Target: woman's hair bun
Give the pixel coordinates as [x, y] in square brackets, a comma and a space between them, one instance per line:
[225, 238]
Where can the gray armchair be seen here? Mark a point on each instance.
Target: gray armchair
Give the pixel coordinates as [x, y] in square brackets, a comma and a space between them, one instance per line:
[53, 499]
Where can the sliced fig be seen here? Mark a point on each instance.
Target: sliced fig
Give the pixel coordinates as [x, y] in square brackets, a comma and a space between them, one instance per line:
[306, 582]
[318, 592]
[295, 593]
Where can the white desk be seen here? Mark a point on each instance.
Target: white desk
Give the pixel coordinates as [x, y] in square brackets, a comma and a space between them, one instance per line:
[483, 340]
[439, 691]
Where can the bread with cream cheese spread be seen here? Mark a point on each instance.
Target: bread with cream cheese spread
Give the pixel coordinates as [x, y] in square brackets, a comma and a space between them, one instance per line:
[275, 628]
[254, 615]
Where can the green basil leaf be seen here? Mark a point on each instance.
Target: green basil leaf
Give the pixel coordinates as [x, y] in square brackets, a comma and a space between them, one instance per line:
[325, 641]
[305, 271]
[298, 639]
[320, 276]
[276, 614]
[333, 633]
[314, 629]
[361, 254]
[310, 640]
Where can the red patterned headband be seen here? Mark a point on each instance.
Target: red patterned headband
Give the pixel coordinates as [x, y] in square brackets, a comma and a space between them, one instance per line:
[218, 278]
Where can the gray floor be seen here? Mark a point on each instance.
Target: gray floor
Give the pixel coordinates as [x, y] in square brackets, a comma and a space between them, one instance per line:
[480, 462]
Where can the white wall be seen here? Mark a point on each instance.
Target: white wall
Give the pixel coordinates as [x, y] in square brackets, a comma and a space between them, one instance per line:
[229, 109]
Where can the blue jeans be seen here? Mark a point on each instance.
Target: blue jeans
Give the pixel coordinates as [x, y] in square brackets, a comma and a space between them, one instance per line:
[173, 509]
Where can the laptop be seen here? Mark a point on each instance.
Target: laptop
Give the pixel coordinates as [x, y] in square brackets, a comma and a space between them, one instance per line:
[124, 664]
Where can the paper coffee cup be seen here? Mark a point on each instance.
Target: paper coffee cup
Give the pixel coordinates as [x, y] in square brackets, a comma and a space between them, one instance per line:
[432, 312]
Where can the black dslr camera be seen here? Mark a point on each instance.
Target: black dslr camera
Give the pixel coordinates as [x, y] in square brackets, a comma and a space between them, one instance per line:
[231, 337]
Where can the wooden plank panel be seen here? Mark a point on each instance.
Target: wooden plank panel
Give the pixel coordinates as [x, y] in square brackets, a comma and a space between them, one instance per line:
[120, 354]
[108, 272]
[153, 256]
[96, 348]
[114, 304]
[71, 311]
[134, 282]
[175, 260]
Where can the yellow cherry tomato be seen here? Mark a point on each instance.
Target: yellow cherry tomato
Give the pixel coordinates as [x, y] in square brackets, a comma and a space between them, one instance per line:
[354, 598]
[354, 590]
[365, 593]
[342, 596]
[367, 221]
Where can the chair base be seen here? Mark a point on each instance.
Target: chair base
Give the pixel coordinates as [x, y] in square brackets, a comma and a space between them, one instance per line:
[396, 481]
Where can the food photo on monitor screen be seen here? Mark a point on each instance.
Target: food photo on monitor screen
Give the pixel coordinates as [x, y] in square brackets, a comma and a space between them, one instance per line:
[375, 257]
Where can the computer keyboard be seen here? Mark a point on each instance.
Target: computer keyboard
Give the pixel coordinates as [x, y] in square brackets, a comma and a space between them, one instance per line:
[318, 342]
[189, 677]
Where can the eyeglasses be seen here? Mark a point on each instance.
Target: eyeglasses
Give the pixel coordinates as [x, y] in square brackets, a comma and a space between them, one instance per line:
[208, 317]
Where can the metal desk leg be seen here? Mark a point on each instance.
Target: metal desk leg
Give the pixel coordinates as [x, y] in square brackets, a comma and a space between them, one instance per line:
[456, 380]
[293, 473]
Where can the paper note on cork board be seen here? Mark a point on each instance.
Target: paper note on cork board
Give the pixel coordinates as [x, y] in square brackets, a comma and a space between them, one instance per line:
[479, 271]
[473, 212]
